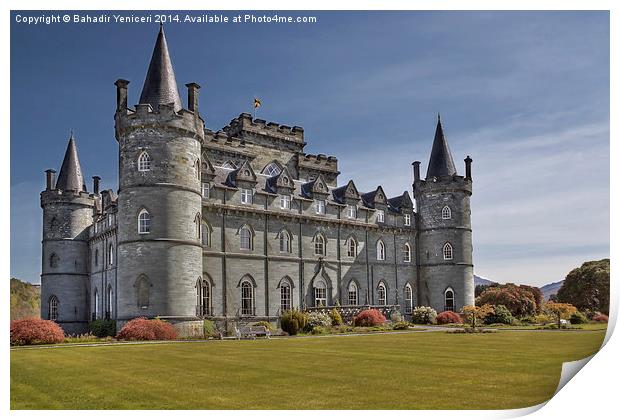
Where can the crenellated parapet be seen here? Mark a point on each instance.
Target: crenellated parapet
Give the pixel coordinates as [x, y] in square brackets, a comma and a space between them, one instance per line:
[245, 124]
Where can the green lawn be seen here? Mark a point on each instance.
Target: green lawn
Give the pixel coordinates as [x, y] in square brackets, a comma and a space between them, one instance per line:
[428, 370]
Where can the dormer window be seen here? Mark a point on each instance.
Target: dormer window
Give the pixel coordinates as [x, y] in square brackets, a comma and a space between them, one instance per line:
[272, 169]
[144, 162]
[206, 190]
[407, 219]
[319, 206]
[351, 211]
[246, 196]
[285, 202]
[380, 216]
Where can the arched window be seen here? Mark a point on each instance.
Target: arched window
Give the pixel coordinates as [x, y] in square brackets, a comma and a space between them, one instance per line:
[96, 303]
[319, 244]
[245, 238]
[285, 295]
[353, 295]
[108, 314]
[144, 222]
[285, 241]
[407, 253]
[54, 260]
[380, 250]
[111, 255]
[229, 165]
[197, 168]
[96, 257]
[247, 298]
[144, 162]
[143, 287]
[449, 299]
[408, 299]
[197, 226]
[203, 297]
[272, 169]
[382, 294]
[320, 293]
[446, 213]
[351, 248]
[206, 233]
[447, 251]
[53, 315]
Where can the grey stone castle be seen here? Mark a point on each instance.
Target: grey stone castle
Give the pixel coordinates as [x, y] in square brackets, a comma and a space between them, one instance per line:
[241, 224]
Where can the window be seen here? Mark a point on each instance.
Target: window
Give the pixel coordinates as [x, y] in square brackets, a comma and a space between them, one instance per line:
[198, 225]
[380, 216]
[247, 298]
[206, 189]
[449, 300]
[111, 255]
[96, 303]
[108, 314]
[143, 286]
[245, 238]
[96, 257]
[319, 245]
[380, 250]
[351, 211]
[229, 165]
[54, 260]
[246, 196]
[446, 213]
[319, 206]
[407, 253]
[272, 169]
[320, 293]
[203, 297]
[206, 234]
[53, 315]
[407, 219]
[447, 251]
[197, 168]
[285, 295]
[353, 294]
[285, 202]
[144, 162]
[144, 222]
[351, 248]
[382, 292]
[408, 299]
[285, 241]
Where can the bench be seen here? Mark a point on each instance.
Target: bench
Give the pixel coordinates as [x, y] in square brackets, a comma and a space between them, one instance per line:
[252, 331]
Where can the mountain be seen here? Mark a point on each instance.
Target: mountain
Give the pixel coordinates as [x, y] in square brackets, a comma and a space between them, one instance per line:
[482, 281]
[551, 289]
[25, 300]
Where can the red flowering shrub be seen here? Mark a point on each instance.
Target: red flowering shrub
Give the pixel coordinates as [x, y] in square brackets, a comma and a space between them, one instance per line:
[147, 329]
[449, 317]
[35, 331]
[369, 318]
[600, 318]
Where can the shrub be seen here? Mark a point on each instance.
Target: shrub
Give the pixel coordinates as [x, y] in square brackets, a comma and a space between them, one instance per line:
[369, 318]
[317, 319]
[265, 324]
[578, 318]
[103, 328]
[396, 316]
[147, 329]
[35, 331]
[402, 325]
[318, 330]
[335, 317]
[293, 321]
[600, 318]
[500, 315]
[208, 329]
[86, 338]
[449, 317]
[424, 315]
[520, 300]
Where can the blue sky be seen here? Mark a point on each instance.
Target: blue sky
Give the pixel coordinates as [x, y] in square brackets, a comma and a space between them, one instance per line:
[526, 94]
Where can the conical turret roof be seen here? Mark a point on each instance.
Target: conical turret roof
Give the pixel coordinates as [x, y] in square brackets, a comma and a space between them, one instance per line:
[70, 176]
[440, 163]
[160, 86]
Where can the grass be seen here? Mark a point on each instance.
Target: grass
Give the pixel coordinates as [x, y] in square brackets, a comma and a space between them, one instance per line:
[430, 370]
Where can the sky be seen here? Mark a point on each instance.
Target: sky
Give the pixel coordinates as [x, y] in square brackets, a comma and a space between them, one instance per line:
[525, 94]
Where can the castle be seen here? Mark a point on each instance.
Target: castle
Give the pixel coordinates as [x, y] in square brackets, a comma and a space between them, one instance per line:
[241, 224]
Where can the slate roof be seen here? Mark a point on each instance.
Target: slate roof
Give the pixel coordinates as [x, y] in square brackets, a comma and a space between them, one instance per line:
[440, 163]
[70, 176]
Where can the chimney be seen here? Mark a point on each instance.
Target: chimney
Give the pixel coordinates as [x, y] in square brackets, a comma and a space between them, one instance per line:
[468, 161]
[416, 171]
[96, 180]
[121, 94]
[192, 96]
[50, 179]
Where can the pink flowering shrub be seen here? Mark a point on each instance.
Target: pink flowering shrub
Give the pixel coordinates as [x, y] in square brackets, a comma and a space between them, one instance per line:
[35, 331]
[449, 317]
[369, 318]
[600, 318]
[147, 329]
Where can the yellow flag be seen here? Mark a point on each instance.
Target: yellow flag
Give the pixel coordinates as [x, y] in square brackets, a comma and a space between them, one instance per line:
[257, 103]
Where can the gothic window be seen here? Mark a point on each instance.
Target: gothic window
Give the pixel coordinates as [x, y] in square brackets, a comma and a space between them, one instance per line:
[206, 190]
[285, 295]
[285, 202]
[54, 304]
[447, 251]
[228, 165]
[407, 219]
[320, 293]
[247, 298]
[285, 241]
[54, 260]
[245, 238]
[407, 253]
[380, 216]
[143, 287]
[319, 244]
[96, 303]
[272, 169]
[206, 233]
[203, 298]
[446, 213]
[449, 299]
[111, 255]
[380, 250]
[144, 222]
[197, 168]
[353, 295]
[319, 206]
[246, 196]
[351, 211]
[382, 294]
[408, 299]
[197, 226]
[351, 248]
[144, 162]
[108, 314]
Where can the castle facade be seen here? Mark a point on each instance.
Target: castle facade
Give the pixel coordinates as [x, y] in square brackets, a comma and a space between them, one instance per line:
[241, 224]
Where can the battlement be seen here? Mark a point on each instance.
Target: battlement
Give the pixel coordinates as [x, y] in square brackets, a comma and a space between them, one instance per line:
[144, 115]
[445, 183]
[245, 123]
[320, 162]
[69, 197]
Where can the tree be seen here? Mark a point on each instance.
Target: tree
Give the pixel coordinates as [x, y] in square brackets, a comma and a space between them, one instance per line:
[482, 287]
[560, 310]
[587, 287]
[476, 313]
[519, 300]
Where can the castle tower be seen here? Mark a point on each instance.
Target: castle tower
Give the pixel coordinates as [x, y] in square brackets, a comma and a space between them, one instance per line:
[444, 221]
[159, 199]
[67, 215]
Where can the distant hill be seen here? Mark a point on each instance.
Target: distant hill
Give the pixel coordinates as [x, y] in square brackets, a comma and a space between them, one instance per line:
[482, 281]
[551, 289]
[25, 300]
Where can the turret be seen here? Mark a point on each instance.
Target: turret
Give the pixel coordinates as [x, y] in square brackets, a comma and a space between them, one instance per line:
[159, 216]
[67, 214]
[444, 221]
